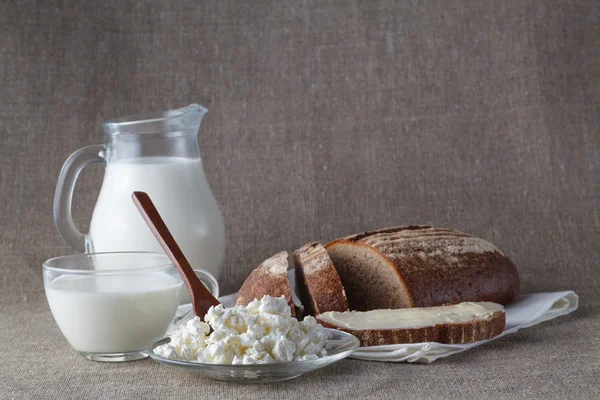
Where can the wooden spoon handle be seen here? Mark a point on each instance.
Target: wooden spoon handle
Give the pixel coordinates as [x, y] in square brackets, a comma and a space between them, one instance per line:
[202, 299]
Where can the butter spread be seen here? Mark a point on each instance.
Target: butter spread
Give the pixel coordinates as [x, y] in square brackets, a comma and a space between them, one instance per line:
[408, 318]
[261, 332]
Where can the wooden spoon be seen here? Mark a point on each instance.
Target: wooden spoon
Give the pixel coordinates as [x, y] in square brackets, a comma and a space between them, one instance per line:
[202, 299]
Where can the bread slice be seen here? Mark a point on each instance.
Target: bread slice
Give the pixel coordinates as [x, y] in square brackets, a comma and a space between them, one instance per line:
[317, 283]
[454, 324]
[270, 277]
[421, 266]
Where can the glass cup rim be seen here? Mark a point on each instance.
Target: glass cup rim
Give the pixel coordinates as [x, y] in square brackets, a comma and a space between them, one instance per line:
[152, 268]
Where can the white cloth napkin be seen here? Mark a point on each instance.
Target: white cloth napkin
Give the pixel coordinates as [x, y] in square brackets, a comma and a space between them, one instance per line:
[526, 311]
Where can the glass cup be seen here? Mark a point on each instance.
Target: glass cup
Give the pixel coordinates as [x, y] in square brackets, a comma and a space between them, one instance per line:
[113, 306]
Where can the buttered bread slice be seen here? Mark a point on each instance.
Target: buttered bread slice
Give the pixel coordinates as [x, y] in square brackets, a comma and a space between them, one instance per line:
[421, 266]
[455, 324]
[270, 277]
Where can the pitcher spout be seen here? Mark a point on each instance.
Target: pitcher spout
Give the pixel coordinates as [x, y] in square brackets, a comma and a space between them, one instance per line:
[189, 116]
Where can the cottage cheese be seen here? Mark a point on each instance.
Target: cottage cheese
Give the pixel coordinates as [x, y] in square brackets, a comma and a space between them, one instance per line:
[261, 332]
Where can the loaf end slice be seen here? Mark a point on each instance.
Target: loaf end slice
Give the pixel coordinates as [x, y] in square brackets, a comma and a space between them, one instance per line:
[269, 278]
[455, 324]
[317, 283]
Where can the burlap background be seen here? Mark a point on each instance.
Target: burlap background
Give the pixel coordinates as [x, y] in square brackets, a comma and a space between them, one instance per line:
[326, 118]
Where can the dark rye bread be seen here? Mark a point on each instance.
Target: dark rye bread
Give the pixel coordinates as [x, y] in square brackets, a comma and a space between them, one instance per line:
[269, 278]
[421, 266]
[317, 283]
[473, 330]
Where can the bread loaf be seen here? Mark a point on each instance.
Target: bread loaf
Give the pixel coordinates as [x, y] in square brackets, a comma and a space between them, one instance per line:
[421, 266]
[270, 277]
[317, 283]
[455, 324]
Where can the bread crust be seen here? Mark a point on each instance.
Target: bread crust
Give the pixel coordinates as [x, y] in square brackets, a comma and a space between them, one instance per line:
[440, 266]
[269, 278]
[317, 282]
[455, 333]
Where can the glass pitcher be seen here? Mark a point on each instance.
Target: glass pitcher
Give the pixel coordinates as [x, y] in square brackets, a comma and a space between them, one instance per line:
[157, 154]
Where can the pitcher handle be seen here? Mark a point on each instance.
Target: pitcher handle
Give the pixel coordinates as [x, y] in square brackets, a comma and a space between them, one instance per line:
[63, 196]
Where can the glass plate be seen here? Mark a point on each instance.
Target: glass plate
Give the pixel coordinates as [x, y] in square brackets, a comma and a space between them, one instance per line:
[339, 346]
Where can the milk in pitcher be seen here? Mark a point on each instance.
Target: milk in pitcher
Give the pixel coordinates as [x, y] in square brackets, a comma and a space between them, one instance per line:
[178, 188]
